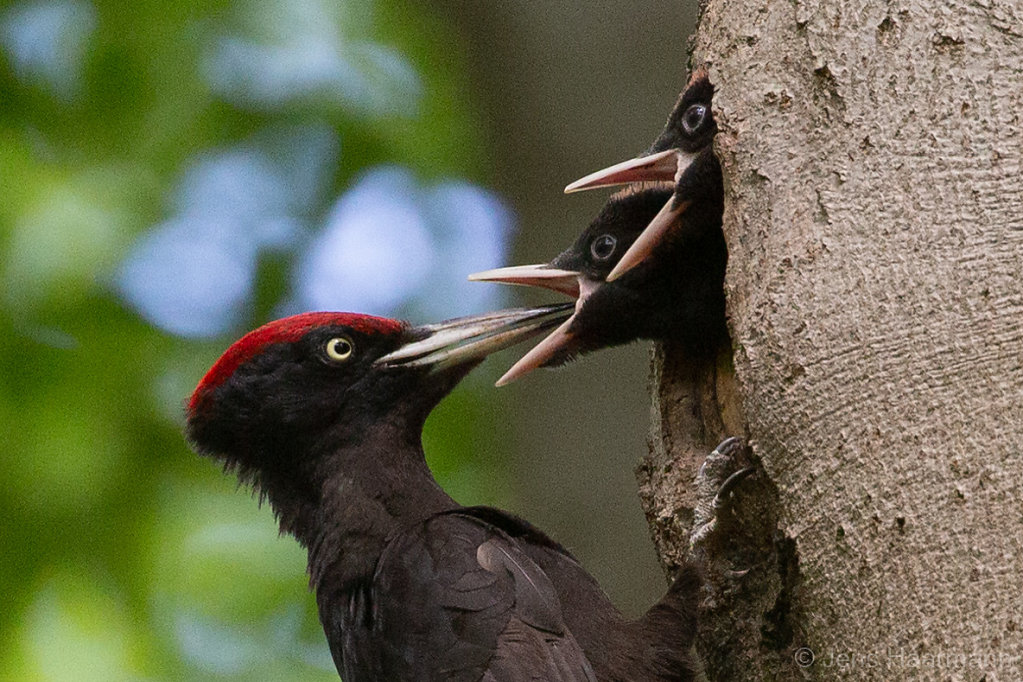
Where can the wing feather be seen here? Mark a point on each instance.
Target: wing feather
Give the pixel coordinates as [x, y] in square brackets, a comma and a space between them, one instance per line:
[456, 598]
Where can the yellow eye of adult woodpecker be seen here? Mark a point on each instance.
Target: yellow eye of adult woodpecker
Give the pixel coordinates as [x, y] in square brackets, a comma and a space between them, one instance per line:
[339, 349]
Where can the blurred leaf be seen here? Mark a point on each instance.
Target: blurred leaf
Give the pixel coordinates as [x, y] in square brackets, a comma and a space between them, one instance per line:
[139, 144]
[47, 41]
[71, 231]
[77, 630]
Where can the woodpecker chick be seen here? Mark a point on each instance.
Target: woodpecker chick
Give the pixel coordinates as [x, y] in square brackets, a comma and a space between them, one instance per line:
[651, 265]
[688, 134]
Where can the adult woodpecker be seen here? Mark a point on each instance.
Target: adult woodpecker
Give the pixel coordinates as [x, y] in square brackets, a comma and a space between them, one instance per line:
[323, 413]
[651, 265]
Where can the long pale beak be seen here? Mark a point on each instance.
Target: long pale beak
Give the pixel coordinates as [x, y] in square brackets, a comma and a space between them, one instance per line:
[662, 166]
[649, 238]
[540, 353]
[542, 275]
[467, 339]
[558, 342]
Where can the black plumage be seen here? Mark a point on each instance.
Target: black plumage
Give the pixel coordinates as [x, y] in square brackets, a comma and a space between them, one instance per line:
[323, 414]
[686, 137]
[651, 265]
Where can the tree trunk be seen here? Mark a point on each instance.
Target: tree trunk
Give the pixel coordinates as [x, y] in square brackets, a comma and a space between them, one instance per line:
[872, 157]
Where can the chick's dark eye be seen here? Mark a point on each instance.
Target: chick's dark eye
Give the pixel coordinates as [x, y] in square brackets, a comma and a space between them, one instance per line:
[338, 349]
[694, 117]
[603, 246]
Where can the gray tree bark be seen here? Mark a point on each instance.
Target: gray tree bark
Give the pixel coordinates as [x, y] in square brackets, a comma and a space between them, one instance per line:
[872, 155]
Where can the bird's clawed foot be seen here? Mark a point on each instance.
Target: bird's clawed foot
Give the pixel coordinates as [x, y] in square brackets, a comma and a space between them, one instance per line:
[715, 483]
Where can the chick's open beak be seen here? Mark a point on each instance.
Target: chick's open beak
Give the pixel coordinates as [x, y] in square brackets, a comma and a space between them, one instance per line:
[541, 275]
[558, 345]
[559, 342]
[652, 235]
[666, 166]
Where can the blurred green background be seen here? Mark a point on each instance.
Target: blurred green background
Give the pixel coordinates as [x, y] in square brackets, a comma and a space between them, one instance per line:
[174, 173]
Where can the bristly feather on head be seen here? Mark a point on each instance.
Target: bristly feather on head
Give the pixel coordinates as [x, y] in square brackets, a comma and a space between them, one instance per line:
[288, 492]
[286, 330]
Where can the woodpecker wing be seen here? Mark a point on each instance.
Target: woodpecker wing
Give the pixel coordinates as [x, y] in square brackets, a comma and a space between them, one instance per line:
[456, 598]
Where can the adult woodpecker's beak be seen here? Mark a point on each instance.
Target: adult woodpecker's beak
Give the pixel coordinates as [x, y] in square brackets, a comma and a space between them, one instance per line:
[468, 339]
[666, 166]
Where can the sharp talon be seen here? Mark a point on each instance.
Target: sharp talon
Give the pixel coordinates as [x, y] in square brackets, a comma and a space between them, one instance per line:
[713, 495]
[735, 479]
[729, 485]
[728, 446]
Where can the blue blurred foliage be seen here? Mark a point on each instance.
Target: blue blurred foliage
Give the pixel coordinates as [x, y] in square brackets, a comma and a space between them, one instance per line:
[194, 273]
[46, 43]
[283, 52]
[171, 174]
[392, 246]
